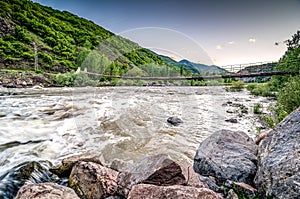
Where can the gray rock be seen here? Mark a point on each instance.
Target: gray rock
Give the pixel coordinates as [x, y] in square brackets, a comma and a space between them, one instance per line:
[227, 155]
[174, 120]
[46, 190]
[231, 120]
[210, 182]
[91, 180]
[278, 172]
[157, 170]
[147, 191]
[65, 168]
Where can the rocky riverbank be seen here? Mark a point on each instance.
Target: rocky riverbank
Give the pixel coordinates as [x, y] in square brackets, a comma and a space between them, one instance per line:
[227, 164]
[15, 79]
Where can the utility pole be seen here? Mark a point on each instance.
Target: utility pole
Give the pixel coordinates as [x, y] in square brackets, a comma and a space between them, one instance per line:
[36, 63]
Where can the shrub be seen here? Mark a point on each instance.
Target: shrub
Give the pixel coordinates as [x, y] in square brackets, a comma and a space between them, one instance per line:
[66, 79]
[289, 96]
[39, 71]
[269, 120]
[45, 57]
[237, 86]
[279, 112]
[250, 87]
[262, 89]
[81, 79]
[257, 108]
[74, 79]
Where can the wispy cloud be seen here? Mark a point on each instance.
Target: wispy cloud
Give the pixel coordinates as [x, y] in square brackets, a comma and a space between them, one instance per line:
[231, 42]
[218, 47]
[252, 40]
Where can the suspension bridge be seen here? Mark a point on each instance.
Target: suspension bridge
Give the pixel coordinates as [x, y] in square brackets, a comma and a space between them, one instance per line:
[259, 69]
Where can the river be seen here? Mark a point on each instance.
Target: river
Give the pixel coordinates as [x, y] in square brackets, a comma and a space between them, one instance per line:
[121, 124]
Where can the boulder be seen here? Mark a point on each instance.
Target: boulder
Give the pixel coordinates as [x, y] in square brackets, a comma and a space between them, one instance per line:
[174, 120]
[157, 170]
[91, 180]
[147, 191]
[46, 190]
[65, 168]
[227, 155]
[278, 173]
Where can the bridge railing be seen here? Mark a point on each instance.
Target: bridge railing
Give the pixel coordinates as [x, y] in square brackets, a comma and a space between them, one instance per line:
[254, 67]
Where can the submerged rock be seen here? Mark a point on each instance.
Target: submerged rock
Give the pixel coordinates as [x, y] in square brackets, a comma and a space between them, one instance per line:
[91, 180]
[46, 190]
[278, 172]
[28, 172]
[157, 170]
[231, 120]
[227, 155]
[174, 120]
[147, 191]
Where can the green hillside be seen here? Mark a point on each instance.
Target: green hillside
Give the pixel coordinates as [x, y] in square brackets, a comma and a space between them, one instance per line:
[63, 41]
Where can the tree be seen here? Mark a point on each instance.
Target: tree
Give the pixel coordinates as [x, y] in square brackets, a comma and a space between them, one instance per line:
[94, 62]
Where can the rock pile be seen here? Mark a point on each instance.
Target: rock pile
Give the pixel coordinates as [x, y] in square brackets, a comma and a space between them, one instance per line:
[155, 176]
[226, 165]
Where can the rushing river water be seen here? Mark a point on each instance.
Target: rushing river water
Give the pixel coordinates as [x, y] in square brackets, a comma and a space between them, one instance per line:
[121, 124]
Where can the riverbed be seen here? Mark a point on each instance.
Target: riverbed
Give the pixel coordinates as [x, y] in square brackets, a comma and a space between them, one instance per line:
[121, 124]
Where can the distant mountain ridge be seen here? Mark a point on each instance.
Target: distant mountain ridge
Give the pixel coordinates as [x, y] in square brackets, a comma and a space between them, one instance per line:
[194, 68]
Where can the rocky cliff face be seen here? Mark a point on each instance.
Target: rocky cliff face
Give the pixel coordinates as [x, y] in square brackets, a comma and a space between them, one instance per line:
[278, 172]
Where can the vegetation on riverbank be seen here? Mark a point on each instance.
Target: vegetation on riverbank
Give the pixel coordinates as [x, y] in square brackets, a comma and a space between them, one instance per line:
[285, 88]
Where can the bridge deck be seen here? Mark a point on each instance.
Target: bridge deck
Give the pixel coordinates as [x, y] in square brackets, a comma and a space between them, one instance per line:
[225, 76]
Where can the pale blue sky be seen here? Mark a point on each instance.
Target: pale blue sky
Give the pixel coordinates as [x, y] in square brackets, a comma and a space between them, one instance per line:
[212, 32]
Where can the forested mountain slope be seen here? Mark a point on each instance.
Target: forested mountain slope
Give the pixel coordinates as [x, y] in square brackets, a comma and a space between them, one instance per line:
[63, 41]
